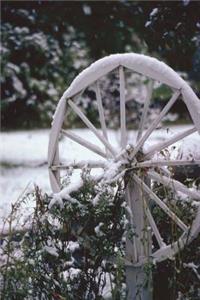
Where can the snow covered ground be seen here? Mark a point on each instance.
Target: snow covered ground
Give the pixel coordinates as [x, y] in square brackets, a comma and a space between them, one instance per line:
[23, 155]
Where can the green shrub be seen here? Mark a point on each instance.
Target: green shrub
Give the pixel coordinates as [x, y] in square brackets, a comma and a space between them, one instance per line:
[74, 249]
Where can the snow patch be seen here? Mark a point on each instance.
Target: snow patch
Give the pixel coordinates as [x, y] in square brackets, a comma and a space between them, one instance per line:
[51, 250]
[112, 170]
[56, 200]
[72, 246]
[72, 272]
[186, 2]
[147, 24]
[97, 229]
[154, 12]
[87, 9]
[72, 187]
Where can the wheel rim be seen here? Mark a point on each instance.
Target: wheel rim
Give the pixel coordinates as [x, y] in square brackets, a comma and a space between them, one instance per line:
[154, 69]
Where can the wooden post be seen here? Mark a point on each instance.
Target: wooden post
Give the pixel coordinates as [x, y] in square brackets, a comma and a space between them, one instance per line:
[139, 283]
[138, 287]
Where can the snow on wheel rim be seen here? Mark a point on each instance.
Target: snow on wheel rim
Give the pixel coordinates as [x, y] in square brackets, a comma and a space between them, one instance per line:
[155, 70]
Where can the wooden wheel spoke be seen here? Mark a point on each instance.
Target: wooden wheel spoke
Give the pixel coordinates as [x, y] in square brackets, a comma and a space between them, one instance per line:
[174, 184]
[169, 142]
[145, 110]
[160, 203]
[100, 109]
[79, 165]
[92, 127]
[159, 163]
[156, 122]
[154, 226]
[84, 143]
[122, 107]
[54, 181]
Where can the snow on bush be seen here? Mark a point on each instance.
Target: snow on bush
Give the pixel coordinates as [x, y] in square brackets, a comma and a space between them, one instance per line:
[76, 250]
[66, 252]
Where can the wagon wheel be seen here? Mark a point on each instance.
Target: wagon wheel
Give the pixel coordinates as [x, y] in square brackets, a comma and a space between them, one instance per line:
[143, 168]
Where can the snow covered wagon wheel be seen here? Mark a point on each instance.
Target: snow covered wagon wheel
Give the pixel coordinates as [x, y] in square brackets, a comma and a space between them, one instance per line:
[141, 163]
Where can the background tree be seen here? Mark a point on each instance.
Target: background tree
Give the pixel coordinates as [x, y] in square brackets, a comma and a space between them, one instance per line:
[46, 43]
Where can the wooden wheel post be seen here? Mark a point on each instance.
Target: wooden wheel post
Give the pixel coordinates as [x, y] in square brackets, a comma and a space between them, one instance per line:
[135, 278]
[138, 285]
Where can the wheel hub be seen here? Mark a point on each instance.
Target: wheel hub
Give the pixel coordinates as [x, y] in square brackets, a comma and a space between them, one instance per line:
[133, 159]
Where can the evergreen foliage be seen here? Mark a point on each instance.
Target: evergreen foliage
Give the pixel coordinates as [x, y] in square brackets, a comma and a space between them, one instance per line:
[70, 249]
[45, 44]
[74, 249]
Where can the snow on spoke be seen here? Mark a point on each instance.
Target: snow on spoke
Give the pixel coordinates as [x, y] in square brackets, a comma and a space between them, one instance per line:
[80, 165]
[159, 163]
[169, 142]
[174, 184]
[154, 226]
[160, 203]
[122, 107]
[145, 109]
[156, 122]
[193, 267]
[91, 127]
[100, 109]
[84, 143]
